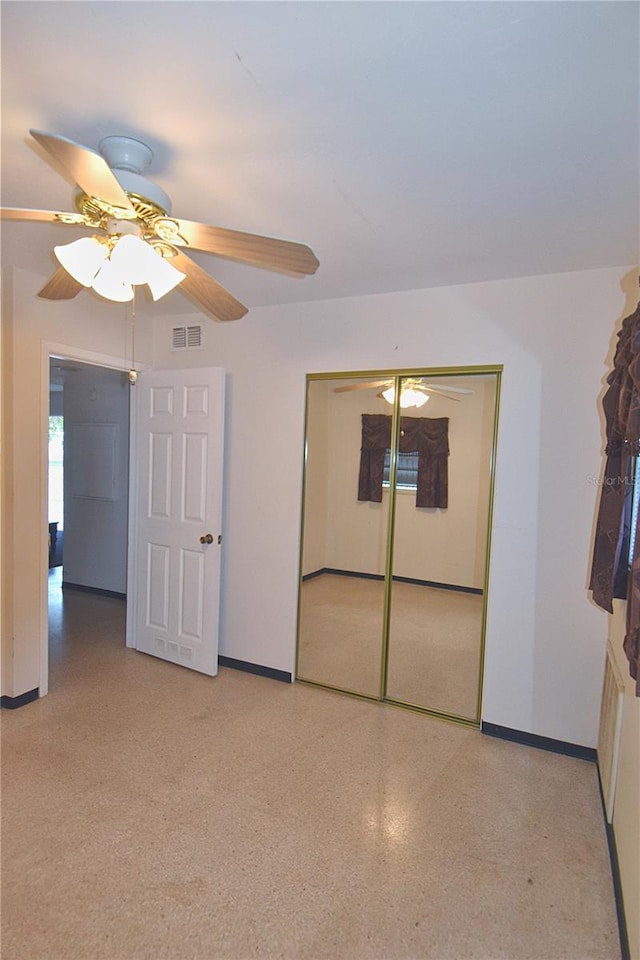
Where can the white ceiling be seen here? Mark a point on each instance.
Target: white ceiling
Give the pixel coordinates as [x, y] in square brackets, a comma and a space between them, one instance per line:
[410, 144]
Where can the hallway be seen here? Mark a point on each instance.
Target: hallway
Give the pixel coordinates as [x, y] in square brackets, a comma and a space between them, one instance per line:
[151, 813]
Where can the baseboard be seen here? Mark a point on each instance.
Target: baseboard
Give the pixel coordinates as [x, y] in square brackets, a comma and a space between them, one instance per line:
[440, 586]
[12, 703]
[313, 575]
[256, 668]
[67, 585]
[625, 949]
[343, 573]
[541, 743]
[380, 576]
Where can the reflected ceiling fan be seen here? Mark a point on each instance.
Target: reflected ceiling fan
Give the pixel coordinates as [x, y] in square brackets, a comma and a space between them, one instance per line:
[134, 239]
[414, 391]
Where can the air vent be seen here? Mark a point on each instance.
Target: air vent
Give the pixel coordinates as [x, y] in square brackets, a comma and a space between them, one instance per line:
[187, 338]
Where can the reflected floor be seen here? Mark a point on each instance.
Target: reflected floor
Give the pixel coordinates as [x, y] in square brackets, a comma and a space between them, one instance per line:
[435, 638]
[434, 648]
[341, 632]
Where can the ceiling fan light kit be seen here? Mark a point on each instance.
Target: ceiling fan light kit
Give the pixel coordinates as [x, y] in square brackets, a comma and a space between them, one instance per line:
[83, 258]
[113, 265]
[163, 277]
[109, 284]
[140, 238]
[139, 262]
[408, 397]
[414, 391]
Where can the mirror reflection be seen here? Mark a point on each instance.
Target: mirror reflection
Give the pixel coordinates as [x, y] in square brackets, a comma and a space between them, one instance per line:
[395, 536]
[440, 550]
[343, 550]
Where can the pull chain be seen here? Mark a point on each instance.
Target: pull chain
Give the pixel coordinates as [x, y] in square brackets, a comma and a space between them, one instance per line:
[133, 373]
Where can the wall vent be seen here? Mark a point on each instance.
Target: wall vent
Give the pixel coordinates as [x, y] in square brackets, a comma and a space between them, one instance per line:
[609, 734]
[187, 338]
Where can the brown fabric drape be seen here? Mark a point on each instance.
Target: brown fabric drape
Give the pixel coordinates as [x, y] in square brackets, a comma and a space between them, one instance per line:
[428, 436]
[621, 405]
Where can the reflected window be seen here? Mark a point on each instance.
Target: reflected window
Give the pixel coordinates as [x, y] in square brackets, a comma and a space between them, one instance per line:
[406, 470]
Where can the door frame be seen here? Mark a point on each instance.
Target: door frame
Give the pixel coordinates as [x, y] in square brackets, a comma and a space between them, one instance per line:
[65, 351]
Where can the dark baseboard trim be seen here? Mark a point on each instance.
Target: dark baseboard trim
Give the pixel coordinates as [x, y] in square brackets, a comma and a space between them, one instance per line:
[380, 576]
[12, 703]
[625, 950]
[313, 575]
[343, 573]
[439, 586]
[256, 668]
[541, 743]
[353, 573]
[66, 585]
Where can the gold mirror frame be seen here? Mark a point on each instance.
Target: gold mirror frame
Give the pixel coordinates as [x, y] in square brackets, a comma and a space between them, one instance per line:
[398, 375]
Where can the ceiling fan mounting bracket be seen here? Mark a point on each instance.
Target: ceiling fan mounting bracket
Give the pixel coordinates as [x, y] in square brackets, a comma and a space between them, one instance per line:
[95, 209]
[162, 248]
[167, 229]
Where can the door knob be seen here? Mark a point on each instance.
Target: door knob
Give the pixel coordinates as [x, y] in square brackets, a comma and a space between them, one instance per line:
[207, 538]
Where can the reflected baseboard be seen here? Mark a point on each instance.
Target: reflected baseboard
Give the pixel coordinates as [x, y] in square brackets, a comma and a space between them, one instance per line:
[379, 576]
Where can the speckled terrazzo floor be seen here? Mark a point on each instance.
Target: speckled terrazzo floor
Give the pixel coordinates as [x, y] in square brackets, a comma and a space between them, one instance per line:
[150, 813]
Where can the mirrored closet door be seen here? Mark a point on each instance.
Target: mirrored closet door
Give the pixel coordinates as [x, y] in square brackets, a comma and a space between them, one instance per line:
[344, 546]
[396, 535]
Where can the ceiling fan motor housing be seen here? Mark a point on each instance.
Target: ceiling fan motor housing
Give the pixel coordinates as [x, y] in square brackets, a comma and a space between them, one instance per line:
[128, 158]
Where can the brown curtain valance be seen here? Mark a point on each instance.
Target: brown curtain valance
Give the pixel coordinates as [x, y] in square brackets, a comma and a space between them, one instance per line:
[621, 405]
[429, 437]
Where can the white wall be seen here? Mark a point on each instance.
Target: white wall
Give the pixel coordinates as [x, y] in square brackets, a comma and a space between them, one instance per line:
[96, 402]
[545, 638]
[89, 327]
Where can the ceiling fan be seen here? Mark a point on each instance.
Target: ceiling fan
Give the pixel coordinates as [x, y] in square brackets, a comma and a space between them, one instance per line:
[414, 391]
[136, 240]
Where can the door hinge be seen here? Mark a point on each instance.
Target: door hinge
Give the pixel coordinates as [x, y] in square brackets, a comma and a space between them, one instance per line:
[219, 538]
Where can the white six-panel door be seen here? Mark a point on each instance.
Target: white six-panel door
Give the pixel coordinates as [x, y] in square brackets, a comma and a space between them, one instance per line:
[176, 517]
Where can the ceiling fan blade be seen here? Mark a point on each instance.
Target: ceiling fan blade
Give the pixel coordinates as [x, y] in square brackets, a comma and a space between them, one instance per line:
[44, 216]
[438, 393]
[370, 385]
[447, 389]
[61, 286]
[207, 292]
[267, 252]
[422, 388]
[87, 167]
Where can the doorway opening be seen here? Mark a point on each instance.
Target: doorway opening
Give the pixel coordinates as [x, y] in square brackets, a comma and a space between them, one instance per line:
[88, 494]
